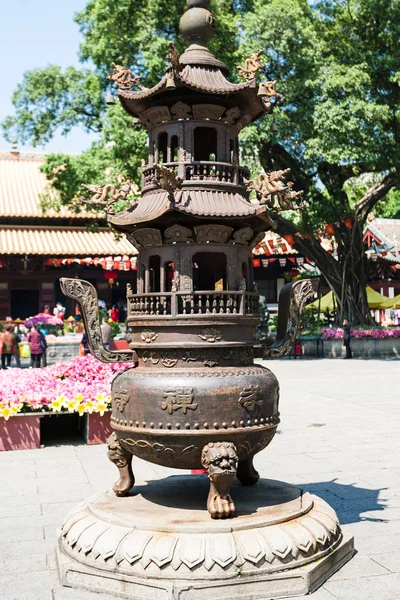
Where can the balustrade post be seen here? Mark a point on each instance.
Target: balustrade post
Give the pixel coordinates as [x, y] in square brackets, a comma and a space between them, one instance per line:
[182, 170]
[235, 304]
[242, 308]
[174, 305]
[228, 304]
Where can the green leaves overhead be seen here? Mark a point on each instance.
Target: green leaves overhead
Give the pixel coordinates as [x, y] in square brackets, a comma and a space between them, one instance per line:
[51, 99]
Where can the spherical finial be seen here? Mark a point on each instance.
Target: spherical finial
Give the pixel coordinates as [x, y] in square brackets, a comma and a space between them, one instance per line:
[198, 24]
[198, 3]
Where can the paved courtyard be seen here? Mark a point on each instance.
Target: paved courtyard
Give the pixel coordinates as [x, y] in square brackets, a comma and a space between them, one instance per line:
[339, 438]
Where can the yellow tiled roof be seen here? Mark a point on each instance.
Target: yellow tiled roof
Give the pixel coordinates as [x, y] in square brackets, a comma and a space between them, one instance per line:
[62, 242]
[22, 183]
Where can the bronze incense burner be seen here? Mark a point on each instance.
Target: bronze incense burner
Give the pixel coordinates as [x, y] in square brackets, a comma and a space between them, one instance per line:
[196, 397]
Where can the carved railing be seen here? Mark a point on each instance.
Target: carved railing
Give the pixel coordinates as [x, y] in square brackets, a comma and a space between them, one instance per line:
[251, 304]
[187, 304]
[210, 171]
[150, 304]
[199, 171]
[207, 303]
[149, 175]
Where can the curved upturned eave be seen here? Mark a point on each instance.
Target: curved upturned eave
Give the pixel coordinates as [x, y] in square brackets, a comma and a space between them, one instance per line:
[194, 202]
[144, 93]
[203, 80]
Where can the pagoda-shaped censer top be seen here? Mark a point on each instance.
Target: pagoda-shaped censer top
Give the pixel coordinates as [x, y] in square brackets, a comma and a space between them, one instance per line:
[195, 398]
[193, 116]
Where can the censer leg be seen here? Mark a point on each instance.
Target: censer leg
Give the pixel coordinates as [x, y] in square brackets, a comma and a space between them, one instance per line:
[246, 472]
[220, 460]
[123, 460]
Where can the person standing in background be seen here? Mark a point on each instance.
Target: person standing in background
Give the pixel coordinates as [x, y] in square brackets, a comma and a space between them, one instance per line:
[18, 337]
[106, 332]
[43, 357]
[347, 338]
[59, 311]
[37, 345]
[8, 346]
[115, 313]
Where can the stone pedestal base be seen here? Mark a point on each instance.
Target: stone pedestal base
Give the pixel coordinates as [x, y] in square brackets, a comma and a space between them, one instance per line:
[160, 543]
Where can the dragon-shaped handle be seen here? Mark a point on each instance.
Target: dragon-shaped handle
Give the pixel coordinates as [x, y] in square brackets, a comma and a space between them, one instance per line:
[292, 299]
[86, 296]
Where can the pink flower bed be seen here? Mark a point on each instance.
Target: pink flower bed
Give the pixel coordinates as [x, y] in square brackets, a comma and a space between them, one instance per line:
[376, 334]
[81, 385]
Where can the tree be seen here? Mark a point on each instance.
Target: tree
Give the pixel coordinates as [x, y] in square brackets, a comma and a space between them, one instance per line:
[337, 64]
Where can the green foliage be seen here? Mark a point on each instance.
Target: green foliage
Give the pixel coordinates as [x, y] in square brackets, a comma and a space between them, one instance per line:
[310, 323]
[389, 208]
[49, 99]
[114, 158]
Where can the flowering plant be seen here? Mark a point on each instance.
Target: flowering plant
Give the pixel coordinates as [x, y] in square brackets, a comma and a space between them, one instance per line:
[81, 385]
[377, 334]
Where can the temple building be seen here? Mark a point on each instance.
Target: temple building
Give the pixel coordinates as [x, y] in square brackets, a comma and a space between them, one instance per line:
[382, 242]
[275, 262]
[37, 248]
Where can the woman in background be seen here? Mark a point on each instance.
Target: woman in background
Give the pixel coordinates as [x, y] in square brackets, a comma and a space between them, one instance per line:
[37, 345]
[8, 346]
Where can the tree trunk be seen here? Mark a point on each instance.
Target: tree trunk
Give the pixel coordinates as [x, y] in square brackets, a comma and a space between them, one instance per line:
[346, 276]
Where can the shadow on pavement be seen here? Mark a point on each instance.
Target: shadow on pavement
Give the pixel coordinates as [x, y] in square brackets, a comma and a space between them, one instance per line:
[349, 501]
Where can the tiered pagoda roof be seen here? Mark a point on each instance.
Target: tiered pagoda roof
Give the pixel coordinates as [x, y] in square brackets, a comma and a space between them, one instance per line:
[195, 89]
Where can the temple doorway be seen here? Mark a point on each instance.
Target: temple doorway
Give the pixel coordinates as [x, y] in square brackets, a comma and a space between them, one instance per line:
[209, 271]
[24, 303]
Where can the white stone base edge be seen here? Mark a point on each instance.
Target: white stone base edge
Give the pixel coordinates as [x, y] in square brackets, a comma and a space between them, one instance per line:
[286, 584]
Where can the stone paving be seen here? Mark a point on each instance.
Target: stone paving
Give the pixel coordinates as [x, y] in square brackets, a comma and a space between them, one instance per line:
[339, 438]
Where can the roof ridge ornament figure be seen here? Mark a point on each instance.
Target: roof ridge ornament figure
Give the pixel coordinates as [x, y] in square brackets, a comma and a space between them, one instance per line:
[251, 66]
[107, 194]
[124, 78]
[271, 190]
[267, 92]
[173, 56]
[167, 180]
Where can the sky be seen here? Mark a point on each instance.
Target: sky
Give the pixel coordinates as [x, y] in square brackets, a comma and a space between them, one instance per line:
[33, 34]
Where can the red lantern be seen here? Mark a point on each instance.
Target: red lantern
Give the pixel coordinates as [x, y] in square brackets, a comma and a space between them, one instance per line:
[348, 223]
[330, 230]
[256, 263]
[110, 275]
